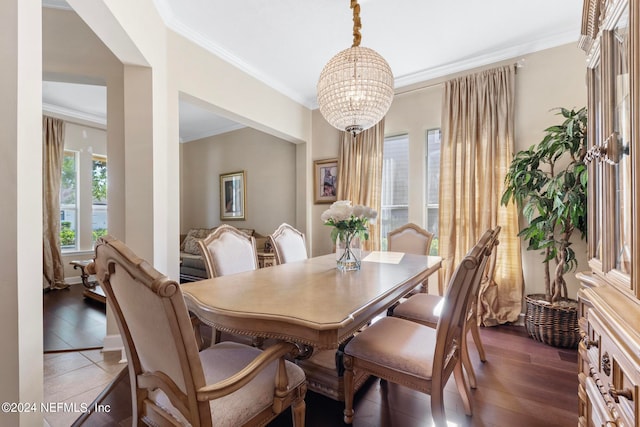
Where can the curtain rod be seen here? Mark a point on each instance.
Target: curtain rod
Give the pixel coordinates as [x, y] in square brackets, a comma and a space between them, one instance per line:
[518, 64]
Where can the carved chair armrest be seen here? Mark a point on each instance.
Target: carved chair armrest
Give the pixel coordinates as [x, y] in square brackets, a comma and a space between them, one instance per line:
[91, 268]
[240, 379]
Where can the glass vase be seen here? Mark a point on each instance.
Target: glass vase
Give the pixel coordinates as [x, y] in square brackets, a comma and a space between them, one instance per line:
[348, 252]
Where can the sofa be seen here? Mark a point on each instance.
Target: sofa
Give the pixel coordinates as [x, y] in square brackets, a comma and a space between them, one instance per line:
[192, 266]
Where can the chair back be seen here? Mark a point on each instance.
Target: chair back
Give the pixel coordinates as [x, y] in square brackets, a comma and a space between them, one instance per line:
[228, 251]
[288, 244]
[158, 336]
[410, 238]
[454, 311]
[481, 275]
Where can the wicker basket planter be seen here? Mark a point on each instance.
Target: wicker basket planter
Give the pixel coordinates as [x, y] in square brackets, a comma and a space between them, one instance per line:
[555, 325]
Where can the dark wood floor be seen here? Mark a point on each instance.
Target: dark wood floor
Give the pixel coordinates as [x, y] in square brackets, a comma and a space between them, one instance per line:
[523, 383]
[71, 321]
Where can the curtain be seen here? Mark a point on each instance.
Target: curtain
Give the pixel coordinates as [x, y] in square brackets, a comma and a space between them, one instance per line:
[476, 150]
[52, 156]
[360, 174]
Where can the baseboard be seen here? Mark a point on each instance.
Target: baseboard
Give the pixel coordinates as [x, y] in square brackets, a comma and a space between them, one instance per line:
[520, 321]
[75, 280]
[113, 344]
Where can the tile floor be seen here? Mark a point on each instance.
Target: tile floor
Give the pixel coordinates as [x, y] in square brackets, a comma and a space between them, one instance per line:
[74, 379]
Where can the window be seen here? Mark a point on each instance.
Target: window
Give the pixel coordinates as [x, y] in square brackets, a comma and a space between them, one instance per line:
[84, 183]
[68, 201]
[394, 210]
[99, 197]
[432, 184]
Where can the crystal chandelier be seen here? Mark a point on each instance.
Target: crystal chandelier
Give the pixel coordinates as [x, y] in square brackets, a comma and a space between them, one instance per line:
[355, 88]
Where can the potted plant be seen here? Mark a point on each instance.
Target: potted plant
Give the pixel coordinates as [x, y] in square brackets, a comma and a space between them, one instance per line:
[548, 183]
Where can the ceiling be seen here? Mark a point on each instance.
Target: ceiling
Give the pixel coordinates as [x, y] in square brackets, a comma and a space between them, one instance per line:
[286, 43]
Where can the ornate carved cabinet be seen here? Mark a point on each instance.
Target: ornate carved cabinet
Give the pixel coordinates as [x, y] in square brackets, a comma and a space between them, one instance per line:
[609, 353]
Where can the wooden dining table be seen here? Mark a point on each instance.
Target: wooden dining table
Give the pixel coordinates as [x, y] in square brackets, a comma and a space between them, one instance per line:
[310, 303]
[307, 302]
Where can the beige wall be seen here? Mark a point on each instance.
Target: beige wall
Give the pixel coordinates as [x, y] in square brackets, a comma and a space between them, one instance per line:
[270, 167]
[328, 139]
[548, 79]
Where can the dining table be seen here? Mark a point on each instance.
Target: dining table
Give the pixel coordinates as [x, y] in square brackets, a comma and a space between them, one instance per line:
[307, 302]
[310, 303]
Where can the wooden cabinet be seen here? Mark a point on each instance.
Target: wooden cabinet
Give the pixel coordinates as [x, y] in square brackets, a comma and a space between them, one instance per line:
[609, 302]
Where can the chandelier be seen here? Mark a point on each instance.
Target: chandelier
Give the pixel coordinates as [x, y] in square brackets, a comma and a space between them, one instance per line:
[355, 88]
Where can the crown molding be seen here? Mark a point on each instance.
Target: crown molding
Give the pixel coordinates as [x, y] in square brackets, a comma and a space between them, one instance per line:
[486, 59]
[418, 77]
[197, 38]
[75, 116]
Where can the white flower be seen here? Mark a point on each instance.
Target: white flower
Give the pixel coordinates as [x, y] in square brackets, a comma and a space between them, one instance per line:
[339, 211]
[359, 210]
[348, 219]
[341, 203]
[372, 214]
[326, 215]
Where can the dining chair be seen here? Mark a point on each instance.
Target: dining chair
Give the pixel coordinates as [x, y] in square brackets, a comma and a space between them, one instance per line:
[172, 384]
[416, 356]
[225, 251]
[413, 239]
[288, 244]
[228, 250]
[425, 309]
[410, 238]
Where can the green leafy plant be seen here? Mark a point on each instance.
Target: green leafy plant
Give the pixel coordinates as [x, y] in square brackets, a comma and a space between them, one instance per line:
[548, 183]
[99, 182]
[67, 235]
[97, 233]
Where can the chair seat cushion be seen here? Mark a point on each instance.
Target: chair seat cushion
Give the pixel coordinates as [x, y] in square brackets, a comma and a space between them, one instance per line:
[422, 308]
[397, 344]
[223, 360]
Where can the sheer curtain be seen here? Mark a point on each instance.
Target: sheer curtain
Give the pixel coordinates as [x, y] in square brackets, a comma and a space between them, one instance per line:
[360, 174]
[477, 147]
[52, 155]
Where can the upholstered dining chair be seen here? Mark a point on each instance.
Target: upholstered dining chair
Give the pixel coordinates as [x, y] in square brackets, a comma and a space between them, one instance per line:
[228, 250]
[425, 309]
[410, 238]
[225, 251]
[288, 244]
[172, 384]
[414, 355]
[413, 239]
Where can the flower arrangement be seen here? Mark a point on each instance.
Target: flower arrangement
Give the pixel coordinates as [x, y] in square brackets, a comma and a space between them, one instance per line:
[347, 220]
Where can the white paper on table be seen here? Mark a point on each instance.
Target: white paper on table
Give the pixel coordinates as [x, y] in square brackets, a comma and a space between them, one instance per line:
[385, 257]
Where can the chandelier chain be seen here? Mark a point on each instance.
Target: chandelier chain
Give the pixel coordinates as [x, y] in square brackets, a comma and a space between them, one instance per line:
[357, 25]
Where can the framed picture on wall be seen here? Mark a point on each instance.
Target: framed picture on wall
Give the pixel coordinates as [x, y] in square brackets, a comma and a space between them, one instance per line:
[233, 196]
[325, 180]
